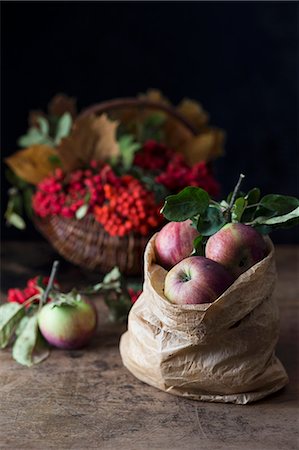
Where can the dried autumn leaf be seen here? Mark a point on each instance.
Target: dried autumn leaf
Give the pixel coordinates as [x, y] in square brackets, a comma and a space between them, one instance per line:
[92, 138]
[33, 163]
[154, 95]
[193, 112]
[61, 104]
[204, 147]
[176, 134]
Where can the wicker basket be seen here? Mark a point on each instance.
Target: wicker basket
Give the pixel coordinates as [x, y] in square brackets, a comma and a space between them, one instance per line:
[85, 242]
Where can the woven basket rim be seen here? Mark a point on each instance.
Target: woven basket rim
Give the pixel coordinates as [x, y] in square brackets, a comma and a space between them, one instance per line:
[124, 102]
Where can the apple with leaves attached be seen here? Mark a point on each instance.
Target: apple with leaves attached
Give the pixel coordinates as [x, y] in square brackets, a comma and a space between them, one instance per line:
[68, 324]
[237, 247]
[174, 243]
[196, 280]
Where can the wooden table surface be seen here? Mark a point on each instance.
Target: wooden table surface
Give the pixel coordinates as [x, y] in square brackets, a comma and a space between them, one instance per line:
[86, 399]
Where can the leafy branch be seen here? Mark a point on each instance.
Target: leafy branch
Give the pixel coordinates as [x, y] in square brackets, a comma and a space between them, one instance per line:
[265, 214]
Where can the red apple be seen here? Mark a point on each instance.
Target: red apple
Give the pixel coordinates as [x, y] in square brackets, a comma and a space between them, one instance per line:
[174, 243]
[66, 326]
[196, 280]
[237, 247]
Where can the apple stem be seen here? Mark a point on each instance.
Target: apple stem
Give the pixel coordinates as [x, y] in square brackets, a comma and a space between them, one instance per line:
[50, 283]
[234, 195]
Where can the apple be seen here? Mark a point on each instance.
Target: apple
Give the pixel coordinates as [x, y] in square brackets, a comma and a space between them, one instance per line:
[68, 326]
[174, 243]
[196, 280]
[237, 247]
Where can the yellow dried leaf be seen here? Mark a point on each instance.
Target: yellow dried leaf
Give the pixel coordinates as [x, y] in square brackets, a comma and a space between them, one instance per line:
[204, 147]
[106, 144]
[154, 95]
[33, 163]
[193, 112]
[92, 138]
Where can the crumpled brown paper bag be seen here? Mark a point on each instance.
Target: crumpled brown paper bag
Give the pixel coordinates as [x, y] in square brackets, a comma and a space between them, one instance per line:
[217, 352]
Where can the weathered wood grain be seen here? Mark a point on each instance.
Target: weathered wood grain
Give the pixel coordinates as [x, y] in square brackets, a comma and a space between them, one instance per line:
[86, 399]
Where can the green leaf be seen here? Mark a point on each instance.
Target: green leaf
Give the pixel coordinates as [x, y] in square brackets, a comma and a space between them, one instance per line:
[155, 120]
[151, 128]
[112, 281]
[64, 126]
[211, 222]
[69, 299]
[253, 196]
[10, 316]
[186, 204]
[44, 125]
[280, 204]
[199, 246]
[15, 201]
[82, 211]
[21, 325]
[113, 275]
[15, 220]
[30, 348]
[277, 220]
[128, 148]
[55, 161]
[34, 136]
[27, 201]
[13, 179]
[238, 209]
[263, 229]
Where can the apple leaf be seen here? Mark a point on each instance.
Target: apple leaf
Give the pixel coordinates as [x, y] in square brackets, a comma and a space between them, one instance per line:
[238, 209]
[211, 222]
[21, 325]
[188, 203]
[277, 220]
[199, 246]
[30, 347]
[69, 299]
[112, 281]
[253, 196]
[280, 204]
[10, 316]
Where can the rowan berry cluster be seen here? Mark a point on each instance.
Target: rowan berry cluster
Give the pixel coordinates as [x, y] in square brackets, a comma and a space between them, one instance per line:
[128, 208]
[173, 171]
[64, 195]
[153, 156]
[35, 287]
[179, 174]
[121, 203]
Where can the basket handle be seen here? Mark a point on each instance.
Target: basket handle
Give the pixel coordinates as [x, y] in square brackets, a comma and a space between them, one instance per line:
[136, 102]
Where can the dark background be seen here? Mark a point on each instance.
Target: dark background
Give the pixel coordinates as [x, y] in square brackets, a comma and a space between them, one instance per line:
[237, 59]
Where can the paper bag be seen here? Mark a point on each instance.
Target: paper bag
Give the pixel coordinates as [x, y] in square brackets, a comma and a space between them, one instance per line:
[217, 352]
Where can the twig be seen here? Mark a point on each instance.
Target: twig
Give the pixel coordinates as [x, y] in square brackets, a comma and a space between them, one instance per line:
[50, 283]
[234, 195]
